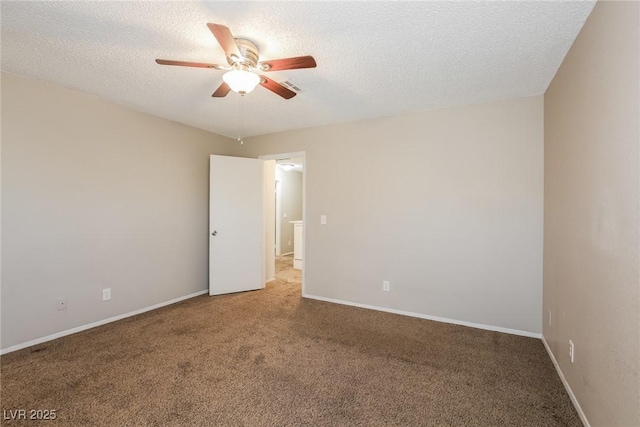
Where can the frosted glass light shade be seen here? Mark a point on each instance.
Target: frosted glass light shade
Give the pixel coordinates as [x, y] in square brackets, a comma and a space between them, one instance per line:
[241, 81]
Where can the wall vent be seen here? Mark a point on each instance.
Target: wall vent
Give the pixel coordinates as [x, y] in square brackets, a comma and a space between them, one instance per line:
[291, 86]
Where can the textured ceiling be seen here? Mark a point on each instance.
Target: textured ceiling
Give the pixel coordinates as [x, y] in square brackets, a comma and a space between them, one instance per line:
[374, 58]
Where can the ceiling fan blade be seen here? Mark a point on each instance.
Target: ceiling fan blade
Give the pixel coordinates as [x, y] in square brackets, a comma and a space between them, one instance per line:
[190, 64]
[276, 88]
[288, 63]
[225, 38]
[222, 91]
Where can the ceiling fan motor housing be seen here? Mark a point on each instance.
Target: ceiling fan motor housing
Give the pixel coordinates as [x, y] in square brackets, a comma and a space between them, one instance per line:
[249, 52]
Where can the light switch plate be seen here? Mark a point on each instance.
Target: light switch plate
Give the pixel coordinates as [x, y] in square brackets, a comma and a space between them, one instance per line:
[323, 219]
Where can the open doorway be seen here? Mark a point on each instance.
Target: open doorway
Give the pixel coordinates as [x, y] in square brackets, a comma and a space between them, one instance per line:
[288, 203]
[285, 258]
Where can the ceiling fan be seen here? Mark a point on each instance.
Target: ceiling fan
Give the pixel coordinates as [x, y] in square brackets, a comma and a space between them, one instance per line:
[244, 65]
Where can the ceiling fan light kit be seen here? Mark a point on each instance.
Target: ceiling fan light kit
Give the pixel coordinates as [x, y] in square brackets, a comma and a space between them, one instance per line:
[241, 81]
[243, 57]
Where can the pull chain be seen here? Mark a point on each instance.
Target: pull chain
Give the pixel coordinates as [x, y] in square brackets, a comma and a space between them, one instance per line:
[241, 110]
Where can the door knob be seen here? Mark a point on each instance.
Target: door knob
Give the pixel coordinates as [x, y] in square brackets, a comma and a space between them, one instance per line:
[214, 233]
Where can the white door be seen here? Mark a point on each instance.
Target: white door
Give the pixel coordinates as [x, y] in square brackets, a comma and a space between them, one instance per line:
[236, 231]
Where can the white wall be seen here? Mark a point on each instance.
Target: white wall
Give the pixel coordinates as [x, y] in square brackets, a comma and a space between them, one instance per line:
[291, 205]
[269, 216]
[592, 219]
[446, 204]
[94, 196]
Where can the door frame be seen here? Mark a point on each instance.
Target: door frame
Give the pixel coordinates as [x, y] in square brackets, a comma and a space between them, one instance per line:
[304, 209]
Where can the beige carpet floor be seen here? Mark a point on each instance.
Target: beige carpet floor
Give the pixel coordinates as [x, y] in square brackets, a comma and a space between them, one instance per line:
[270, 358]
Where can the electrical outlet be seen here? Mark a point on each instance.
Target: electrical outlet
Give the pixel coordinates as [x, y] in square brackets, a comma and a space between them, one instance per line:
[323, 220]
[62, 304]
[106, 294]
[284, 215]
[386, 286]
[572, 351]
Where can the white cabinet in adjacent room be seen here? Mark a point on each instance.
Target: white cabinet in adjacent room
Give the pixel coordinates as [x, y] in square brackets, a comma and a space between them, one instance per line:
[297, 244]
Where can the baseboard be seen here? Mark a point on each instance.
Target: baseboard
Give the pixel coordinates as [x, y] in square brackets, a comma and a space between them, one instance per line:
[270, 280]
[428, 317]
[98, 323]
[567, 387]
[288, 253]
